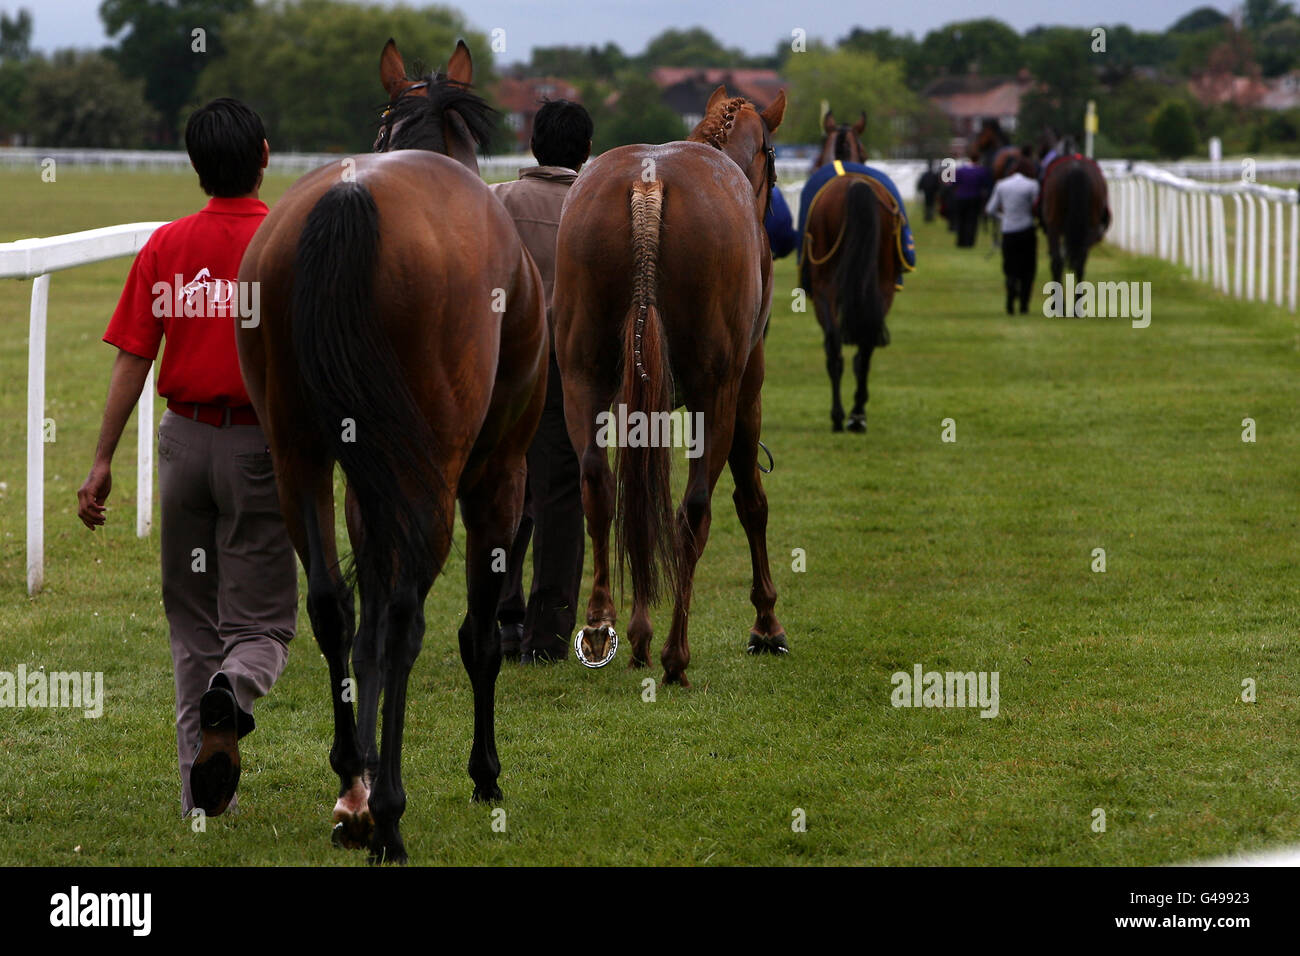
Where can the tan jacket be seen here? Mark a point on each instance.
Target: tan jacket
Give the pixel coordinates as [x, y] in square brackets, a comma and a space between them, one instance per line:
[534, 201]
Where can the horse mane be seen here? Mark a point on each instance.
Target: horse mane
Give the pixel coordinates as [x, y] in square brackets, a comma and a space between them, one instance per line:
[716, 127]
[715, 130]
[420, 117]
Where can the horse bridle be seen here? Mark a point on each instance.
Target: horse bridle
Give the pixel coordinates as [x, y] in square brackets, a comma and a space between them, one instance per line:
[385, 118]
[769, 174]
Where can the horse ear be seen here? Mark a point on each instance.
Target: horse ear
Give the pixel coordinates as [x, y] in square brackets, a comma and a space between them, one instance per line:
[392, 71]
[461, 66]
[860, 125]
[718, 96]
[828, 123]
[775, 112]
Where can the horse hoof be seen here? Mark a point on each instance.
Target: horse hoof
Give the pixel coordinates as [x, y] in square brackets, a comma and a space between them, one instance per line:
[489, 794]
[858, 423]
[352, 833]
[595, 646]
[678, 679]
[837, 426]
[767, 643]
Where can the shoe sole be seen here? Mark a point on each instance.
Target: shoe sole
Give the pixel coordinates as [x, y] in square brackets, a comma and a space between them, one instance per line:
[214, 776]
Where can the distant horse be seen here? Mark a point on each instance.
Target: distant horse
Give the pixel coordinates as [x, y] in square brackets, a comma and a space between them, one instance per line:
[663, 286]
[842, 142]
[1074, 208]
[988, 142]
[403, 335]
[849, 268]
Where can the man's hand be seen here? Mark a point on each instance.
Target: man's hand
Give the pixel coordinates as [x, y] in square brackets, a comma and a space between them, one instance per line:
[93, 493]
[124, 387]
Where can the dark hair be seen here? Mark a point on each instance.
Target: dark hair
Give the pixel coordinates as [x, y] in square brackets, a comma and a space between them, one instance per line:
[562, 134]
[224, 140]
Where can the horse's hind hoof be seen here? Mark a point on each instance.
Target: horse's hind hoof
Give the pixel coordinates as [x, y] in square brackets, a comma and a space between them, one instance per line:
[837, 426]
[858, 423]
[595, 646]
[487, 794]
[352, 833]
[767, 644]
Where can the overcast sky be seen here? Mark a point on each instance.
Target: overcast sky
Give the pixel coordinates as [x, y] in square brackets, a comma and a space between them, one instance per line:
[752, 25]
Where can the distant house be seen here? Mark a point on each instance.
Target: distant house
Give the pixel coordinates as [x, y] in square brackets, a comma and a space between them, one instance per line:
[1283, 92]
[520, 98]
[967, 100]
[1213, 88]
[686, 89]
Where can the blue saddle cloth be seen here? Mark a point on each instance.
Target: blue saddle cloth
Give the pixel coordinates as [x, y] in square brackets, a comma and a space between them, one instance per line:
[828, 172]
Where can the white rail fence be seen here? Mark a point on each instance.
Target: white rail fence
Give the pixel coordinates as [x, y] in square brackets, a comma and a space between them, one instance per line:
[1252, 254]
[36, 259]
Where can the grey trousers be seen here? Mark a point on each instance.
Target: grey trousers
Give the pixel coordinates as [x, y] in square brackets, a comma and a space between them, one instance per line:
[229, 575]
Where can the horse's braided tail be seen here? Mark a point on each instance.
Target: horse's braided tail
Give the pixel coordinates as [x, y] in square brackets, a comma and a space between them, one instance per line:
[857, 273]
[644, 529]
[362, 406]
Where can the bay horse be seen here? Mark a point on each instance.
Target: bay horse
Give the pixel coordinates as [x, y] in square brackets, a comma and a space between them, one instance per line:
[663, 287]
[842, 141]
[402, 334]
[849, 269]
[1075, 212]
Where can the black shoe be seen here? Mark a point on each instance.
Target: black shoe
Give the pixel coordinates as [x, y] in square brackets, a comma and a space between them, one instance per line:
[512, 635]
[214, 775]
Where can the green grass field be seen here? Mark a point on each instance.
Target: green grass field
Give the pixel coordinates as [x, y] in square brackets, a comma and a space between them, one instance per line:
[1119, 690]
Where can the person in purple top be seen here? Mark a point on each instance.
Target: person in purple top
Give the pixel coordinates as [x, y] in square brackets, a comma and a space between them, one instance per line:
[971, 187]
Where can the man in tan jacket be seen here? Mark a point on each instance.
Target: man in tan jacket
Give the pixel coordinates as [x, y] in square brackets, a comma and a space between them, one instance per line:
[541, 630]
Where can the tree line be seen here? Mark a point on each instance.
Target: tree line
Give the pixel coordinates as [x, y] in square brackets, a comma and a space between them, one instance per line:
[309, 67]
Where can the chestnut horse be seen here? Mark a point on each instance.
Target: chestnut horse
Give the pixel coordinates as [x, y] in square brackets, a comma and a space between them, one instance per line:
[402, 334]
[1074, 209]
[849, 268]
[663, 286]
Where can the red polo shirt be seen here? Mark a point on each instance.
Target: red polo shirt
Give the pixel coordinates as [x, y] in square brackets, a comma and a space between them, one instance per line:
[196, 312]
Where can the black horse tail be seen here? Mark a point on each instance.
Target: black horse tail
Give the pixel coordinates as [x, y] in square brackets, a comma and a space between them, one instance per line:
[353, 383]
[857, 276]
[1078, 204]
[645, 532]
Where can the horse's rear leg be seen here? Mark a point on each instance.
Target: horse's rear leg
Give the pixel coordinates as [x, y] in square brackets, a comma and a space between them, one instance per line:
[367, 652]
[831, 342]
[693, 520]
[767, 634]
[861, 369]
[402, 631]
[1056, 256]
[581, 404]
[491, 512]
[309, 517]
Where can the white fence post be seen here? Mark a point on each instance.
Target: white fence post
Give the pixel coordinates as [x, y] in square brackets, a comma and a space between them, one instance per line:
[36, 259]
[36, 435]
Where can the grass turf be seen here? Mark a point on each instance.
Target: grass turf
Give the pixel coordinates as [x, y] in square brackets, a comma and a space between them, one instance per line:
[1119, 691]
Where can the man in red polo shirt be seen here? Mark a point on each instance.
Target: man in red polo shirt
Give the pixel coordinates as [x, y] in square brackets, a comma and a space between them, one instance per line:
[229, 577]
